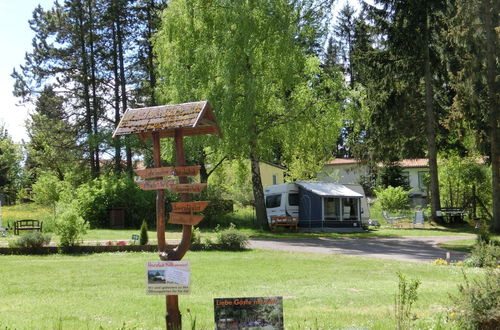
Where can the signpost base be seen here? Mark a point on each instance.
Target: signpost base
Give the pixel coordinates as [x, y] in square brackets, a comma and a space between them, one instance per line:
[174, 316]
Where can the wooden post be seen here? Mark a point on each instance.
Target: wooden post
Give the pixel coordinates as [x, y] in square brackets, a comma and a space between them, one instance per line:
[160, 198]
[174, 316]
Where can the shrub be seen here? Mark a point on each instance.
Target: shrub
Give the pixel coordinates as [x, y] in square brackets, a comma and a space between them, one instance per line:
[95, 198]
[196, 236]
[391, 175]
[231, 238]
[48, 190]
[392, 199]
[484, 255]
[31, 240]
[477, 304]
[70, 227]
[405, 298]
[144, 239]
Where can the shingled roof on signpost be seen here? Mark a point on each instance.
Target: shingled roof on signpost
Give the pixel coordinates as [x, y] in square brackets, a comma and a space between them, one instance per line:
[194, 118]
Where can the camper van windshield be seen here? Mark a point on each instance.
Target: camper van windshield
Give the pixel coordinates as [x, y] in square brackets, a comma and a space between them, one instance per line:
[293, 199]
[273, 201]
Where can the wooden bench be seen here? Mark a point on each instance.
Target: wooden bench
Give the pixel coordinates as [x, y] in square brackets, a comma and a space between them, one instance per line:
[284, 221]
[27, 224]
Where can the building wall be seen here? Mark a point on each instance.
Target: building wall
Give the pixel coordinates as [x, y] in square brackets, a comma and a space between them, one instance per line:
[352, 173]
[416, 176]
[344, 174]
[268, 171]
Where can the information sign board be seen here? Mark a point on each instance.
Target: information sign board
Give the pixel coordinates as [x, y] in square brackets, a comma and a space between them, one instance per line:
[249, 313]
[168, 277]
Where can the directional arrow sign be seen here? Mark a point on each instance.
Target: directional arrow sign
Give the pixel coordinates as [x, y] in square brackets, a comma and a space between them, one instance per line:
[155, 184]
[185, 219]
[186, 188]
[168, 171]
[189, 206]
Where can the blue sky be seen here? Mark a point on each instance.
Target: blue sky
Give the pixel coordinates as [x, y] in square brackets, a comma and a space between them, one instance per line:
[15, 41]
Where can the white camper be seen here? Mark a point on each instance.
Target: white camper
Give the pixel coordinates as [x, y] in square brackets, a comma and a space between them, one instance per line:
[282, 200]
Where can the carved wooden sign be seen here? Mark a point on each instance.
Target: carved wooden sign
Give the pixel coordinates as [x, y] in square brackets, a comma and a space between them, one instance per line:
[188, 188]
[188, 207]
[155, 184]
[181, 188]
[185, 219]
[168, 171]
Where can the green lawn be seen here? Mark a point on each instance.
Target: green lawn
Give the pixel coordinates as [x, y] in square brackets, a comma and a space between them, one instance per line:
[320, 291]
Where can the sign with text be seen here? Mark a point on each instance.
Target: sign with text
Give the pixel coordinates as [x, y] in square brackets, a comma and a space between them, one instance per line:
[168, 171]
[188, 188]
[249, 313]
[189, 206]
[185, 218]
[155, 184]
[167, 277]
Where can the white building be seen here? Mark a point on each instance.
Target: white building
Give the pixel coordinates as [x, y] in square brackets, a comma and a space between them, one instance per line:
[350, 171]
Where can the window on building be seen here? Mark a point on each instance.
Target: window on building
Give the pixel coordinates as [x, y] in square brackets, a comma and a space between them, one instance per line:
[350, 208]
[422, 180]
[406, 176]
[332, 208]
[273, 201]
[275, 179]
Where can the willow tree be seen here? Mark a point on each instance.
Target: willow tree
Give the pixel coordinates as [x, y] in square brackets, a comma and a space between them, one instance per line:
[255, 62]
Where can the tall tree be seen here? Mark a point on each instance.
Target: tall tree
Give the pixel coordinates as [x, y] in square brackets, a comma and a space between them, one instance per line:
[473, 30]
[410, 37]
[345, 33]
[53, 143]
[64, 55]
[10, 158]
[250, 59]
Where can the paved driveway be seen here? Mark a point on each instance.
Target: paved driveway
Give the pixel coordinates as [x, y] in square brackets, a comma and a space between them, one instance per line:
[416, 249]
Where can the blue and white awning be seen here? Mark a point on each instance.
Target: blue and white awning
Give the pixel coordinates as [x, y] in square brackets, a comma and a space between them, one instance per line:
[327, 189]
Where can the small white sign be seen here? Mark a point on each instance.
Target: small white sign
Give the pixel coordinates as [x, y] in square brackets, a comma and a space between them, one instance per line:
[167, 277]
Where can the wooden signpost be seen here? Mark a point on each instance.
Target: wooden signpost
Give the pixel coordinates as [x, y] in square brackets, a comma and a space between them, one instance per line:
[177, 121]
[185, 219]
[189, 206]
[168, 171]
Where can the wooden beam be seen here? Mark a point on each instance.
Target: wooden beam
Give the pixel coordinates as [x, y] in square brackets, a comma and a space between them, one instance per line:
[160, 198]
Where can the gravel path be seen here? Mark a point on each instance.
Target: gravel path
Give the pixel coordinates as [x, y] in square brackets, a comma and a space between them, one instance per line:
[415, 248]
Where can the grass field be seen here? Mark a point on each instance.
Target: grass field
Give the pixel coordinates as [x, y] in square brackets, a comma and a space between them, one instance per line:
[320, 291]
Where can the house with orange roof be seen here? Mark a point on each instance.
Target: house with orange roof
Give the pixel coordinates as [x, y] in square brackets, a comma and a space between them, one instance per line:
[351, 171]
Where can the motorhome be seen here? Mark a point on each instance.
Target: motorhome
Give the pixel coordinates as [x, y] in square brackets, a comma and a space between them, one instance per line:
[318, 205]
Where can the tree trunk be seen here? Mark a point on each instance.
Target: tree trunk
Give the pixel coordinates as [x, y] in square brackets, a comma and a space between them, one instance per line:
[123, 84]
[116, 89]
[258, 191]
[490, 21]
[95, 102]
[86, 91]
[431, 129]
[151, 68]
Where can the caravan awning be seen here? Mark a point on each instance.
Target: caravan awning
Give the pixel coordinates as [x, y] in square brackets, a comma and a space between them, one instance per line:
[328, 189]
